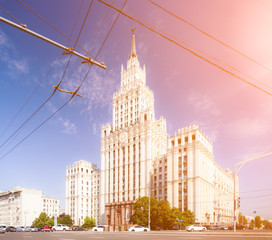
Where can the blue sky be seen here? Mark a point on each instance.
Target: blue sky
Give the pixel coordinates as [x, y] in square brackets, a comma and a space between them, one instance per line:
[233, 114]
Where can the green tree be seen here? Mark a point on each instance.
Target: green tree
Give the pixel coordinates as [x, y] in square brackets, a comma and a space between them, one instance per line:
[140, 210]
[251, 224]
[267, 224]
[42, 220]
[166, 214]
[88, 222]
[242, 219]
[188, 218]
[258, 222]
[66, 219]
[161, 214]
[177, 213]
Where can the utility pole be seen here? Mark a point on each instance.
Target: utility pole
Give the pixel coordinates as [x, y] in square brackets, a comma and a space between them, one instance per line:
[66, 49]
[234, 189]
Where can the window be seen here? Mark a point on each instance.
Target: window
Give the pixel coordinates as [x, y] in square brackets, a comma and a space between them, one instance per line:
[186, 139]
[173, 143]
[179, 141]
[193, 137]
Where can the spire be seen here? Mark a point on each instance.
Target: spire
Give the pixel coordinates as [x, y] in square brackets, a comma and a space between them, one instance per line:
[133, 47]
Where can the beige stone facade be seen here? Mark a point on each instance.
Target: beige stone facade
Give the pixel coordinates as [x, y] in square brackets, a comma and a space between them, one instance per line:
[129, 146]
[20, 206]
[136, 162]
[195, 181]
[82, 197]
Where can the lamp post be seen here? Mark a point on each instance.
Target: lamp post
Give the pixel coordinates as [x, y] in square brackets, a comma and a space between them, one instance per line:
[234, 189]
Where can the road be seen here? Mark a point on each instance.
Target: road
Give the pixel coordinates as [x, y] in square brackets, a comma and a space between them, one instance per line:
[136, 236]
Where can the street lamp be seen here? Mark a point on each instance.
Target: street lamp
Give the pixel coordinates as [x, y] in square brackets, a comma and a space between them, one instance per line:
[234, 192]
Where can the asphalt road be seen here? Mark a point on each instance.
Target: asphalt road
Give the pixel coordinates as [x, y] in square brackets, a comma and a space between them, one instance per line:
[137, 236]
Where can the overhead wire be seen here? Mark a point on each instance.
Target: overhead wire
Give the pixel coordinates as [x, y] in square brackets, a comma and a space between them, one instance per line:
[209, 35]
[34, 12]
[74, 92]
[37, 87]
[54, 91]
[12, 16]
[185, 48]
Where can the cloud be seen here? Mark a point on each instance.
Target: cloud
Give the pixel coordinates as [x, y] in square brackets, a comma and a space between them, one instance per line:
[69, 127]
[208, 113]
[203, 104]
[9, 55]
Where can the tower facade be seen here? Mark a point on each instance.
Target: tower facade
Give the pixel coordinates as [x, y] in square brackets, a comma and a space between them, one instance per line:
[130, 144]
[136, 161]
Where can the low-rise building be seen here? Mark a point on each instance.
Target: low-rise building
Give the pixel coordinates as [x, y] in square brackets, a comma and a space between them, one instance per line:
[20, 206]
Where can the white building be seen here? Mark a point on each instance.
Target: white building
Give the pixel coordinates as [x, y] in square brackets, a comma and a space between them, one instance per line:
[20, 206]
[82, 195]
[195, 181]
[136, 162]
[51, 206]
[129, 146]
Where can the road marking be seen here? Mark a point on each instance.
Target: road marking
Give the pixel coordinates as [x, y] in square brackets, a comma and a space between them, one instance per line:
[97, 237]
[190, 237]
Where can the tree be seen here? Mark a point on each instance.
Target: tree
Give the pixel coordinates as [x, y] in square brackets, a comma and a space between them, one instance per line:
[251, 224]
[258, 222]
[88, 222]
[267, 224]
[66, 219]
[161, 214]
[140, 210]
[167, 215]
[242, 219]
[42, 220]
[188, 218]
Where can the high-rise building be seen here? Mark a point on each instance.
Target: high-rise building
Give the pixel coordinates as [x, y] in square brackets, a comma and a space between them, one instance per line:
[82, 197]
[20, 206]
[129, 146]
[136, 162]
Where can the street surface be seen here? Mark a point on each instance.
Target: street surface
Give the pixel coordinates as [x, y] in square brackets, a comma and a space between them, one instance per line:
[210, 235]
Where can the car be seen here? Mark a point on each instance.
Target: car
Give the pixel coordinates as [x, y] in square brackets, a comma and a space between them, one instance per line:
[27, 229]
[175, 227]
[2, 229]
[61, 227]
[47, 228]
[192, 228]
[20, 229]
[98, 229]
[39, 229]
[77, 228]
[138, 229]
[33, 229]
[10, 229]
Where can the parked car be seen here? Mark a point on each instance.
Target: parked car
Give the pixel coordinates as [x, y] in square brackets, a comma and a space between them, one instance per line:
[138, 229]
[33, 229]
[175, 227]
[20, 229]
[192, 228]
[39, 229]
[47, 228]
[2, 229]
[98, 229]
[77, 228]
[61, 227]
[10, 229]
[27, 229]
